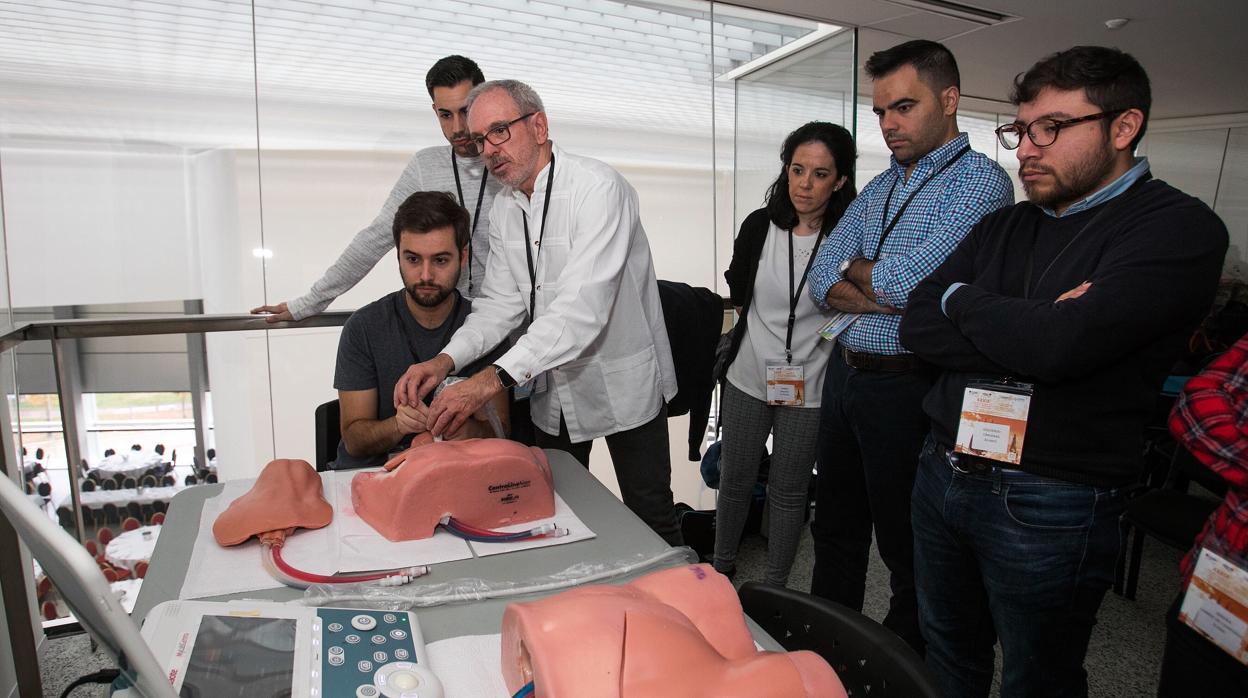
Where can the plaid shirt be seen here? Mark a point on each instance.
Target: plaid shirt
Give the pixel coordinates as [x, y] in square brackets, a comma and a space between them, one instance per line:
[940, 215]
[1210, 418]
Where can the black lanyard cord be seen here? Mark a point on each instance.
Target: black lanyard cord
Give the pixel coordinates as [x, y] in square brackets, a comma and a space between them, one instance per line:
[447, 325]
[795, 295]
[888, 227]
[485, 174]
[528, 242]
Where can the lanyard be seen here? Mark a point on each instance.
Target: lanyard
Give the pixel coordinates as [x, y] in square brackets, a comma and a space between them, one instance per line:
[485, 174]
[1031, 254]
[888, 227]
[447, 325]
[528, 243]
[794, 296]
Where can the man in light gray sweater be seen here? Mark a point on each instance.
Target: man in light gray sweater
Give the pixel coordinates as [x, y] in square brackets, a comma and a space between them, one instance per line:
[456, 168]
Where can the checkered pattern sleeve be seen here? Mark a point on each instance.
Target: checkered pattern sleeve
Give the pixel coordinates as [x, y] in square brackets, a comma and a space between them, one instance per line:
[1210, 418]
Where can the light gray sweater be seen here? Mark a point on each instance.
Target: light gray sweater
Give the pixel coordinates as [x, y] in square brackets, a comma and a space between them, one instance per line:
[428, 170]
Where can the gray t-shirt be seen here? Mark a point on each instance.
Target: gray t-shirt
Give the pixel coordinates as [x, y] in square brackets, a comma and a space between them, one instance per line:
[378, 343]
[428, 170]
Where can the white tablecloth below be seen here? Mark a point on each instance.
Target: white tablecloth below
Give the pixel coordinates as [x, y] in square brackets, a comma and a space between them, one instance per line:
[128, 465]
[127, 591]
[132, 547]
[145, 495]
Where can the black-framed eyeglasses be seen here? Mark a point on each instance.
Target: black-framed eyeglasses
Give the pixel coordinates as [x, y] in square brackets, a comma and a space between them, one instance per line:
[500, 134]
[1043, 132]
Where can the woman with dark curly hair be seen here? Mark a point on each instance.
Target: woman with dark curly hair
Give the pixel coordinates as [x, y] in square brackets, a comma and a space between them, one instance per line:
[776, 360]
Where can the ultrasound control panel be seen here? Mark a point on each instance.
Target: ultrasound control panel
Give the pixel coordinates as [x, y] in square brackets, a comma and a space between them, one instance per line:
[268, 649]
[368, 654]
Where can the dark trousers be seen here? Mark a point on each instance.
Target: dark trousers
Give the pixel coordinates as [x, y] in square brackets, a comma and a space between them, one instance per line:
[643, 466]
[1194, 666]
[522, 428]
[1010, 555]
[870, 434]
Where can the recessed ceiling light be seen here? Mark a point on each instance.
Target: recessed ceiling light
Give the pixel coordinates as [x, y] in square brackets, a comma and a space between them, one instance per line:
[1118, 23]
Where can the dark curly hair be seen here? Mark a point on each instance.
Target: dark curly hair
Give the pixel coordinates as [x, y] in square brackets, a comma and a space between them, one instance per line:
[838, 142]
[1112, 80]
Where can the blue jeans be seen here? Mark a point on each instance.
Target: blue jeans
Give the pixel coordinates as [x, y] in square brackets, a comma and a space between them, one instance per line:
[1010, 555]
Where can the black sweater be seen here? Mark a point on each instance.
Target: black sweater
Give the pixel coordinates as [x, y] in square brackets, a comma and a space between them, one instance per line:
[747, 249]
[1097, 361]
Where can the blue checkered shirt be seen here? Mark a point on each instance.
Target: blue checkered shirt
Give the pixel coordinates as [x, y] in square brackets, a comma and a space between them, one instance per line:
[937, 219]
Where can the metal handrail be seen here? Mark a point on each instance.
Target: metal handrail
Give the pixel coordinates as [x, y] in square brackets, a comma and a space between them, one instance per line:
[161, 324]
[55, 330]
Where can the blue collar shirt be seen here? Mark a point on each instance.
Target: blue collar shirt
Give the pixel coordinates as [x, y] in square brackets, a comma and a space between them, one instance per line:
[938, 218]
[1109, 191]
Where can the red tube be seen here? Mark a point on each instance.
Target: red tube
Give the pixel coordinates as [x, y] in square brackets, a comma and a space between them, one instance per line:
[319, 578]
[468, 528]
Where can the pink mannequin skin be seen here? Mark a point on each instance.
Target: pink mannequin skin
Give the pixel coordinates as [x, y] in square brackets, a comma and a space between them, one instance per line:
[287, 495]
[678, 632]
[485, 483]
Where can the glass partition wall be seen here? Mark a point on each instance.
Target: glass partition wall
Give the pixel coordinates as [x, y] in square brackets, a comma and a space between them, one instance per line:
[209, 156]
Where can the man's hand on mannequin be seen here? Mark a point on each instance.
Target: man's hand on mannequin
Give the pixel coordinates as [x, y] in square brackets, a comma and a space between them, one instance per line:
[457, 403]
[420, 379]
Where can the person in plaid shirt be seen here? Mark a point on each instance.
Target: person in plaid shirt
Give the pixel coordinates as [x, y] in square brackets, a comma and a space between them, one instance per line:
[1210, 418]
[901, 227]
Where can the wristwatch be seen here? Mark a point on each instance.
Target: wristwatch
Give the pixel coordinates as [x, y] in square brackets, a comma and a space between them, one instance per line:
[846, 265]
[504, 377]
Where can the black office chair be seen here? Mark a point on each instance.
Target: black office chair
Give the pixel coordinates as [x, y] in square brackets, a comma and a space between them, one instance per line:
[1168, 513]
[328, 433]
[871, 660]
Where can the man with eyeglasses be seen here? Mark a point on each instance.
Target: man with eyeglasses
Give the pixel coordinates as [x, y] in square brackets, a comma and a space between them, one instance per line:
[456, 168]
[1055, 323]
[570, 267]
[902, 225]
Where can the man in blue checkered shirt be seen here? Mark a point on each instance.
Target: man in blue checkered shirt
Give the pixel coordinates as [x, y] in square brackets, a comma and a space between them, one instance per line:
[902, 226]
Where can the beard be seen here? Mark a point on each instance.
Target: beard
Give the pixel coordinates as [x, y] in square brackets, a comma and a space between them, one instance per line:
[513, 176]
[422, 296]
[1067, 188]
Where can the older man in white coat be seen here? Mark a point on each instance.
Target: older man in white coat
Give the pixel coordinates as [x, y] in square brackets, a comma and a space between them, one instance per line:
[570, 265]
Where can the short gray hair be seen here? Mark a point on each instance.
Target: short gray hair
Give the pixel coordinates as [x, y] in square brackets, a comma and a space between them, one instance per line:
[525, 97]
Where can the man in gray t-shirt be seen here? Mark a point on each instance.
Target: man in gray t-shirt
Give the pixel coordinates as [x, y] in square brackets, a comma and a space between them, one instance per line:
[380, 340]
[455, 168]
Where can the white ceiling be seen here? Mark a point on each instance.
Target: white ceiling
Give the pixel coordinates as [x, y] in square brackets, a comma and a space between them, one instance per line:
[1195, 52]
[163, 69]
[349, 73]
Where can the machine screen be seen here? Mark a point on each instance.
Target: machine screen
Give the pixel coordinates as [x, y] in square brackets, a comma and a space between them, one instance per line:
[236, 656]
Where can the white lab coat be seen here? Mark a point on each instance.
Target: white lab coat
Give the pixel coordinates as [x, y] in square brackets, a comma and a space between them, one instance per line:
[598, 332]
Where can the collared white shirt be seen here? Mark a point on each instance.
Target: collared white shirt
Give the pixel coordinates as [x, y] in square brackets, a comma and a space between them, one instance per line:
[598, 328]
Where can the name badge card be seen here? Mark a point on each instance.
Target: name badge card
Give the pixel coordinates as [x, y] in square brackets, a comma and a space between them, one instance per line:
[994, 421]
[1216, 603]
[838, 324]
[786, 383]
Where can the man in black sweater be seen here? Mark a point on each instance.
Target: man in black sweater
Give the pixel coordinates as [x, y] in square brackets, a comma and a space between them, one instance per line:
[1063, 314]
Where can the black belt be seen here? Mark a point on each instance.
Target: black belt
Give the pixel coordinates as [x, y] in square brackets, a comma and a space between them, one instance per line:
[967, 463]
[887, 363]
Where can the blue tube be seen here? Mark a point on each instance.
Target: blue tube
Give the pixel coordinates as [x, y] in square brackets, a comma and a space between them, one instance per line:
[525, 690]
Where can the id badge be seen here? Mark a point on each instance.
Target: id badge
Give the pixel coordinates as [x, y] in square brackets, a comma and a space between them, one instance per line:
[994, 421]
[786, 383]
[1216, 603]
[838, 324]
